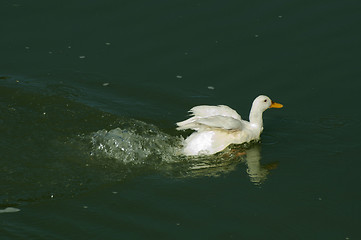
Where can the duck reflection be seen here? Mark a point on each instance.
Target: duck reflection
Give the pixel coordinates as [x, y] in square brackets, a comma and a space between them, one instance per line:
[257, 172]
[229, 160]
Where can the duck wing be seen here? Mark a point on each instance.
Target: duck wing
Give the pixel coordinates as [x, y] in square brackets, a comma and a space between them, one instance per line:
[208, 111]
[207, 117]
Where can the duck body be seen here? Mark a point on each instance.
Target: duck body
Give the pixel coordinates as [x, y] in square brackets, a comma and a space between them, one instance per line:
[216, 127]
[213, 141]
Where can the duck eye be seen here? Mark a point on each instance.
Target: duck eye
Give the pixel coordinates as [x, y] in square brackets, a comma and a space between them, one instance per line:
[265, 100]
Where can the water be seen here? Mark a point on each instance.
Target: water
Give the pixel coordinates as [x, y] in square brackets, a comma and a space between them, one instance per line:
[90, 93]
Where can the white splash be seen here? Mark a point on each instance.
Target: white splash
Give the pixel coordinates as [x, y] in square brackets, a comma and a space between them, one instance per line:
[136, 146]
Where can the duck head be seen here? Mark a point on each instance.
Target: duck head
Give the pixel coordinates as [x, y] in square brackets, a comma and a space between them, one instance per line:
[262, 103]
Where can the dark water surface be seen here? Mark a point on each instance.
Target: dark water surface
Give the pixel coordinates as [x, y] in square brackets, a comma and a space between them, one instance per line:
[90, 92]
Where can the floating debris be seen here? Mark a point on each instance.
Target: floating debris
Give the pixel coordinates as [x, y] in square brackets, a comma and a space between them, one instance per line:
[105, 84]
[210, 87]
[9, 210]
[81, 57]
[179, 76]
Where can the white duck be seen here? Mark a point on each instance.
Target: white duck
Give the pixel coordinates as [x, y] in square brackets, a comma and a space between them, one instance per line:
[219, 126]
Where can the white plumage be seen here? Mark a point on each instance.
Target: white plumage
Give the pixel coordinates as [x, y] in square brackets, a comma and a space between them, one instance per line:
[216, 127]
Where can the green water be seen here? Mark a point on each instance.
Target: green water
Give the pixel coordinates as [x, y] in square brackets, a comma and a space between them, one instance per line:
[90, 92]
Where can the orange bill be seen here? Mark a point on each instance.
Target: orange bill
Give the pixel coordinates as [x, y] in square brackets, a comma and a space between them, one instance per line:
[276, 105]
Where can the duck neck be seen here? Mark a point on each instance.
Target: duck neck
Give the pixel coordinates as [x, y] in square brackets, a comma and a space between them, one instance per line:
[255, 118]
